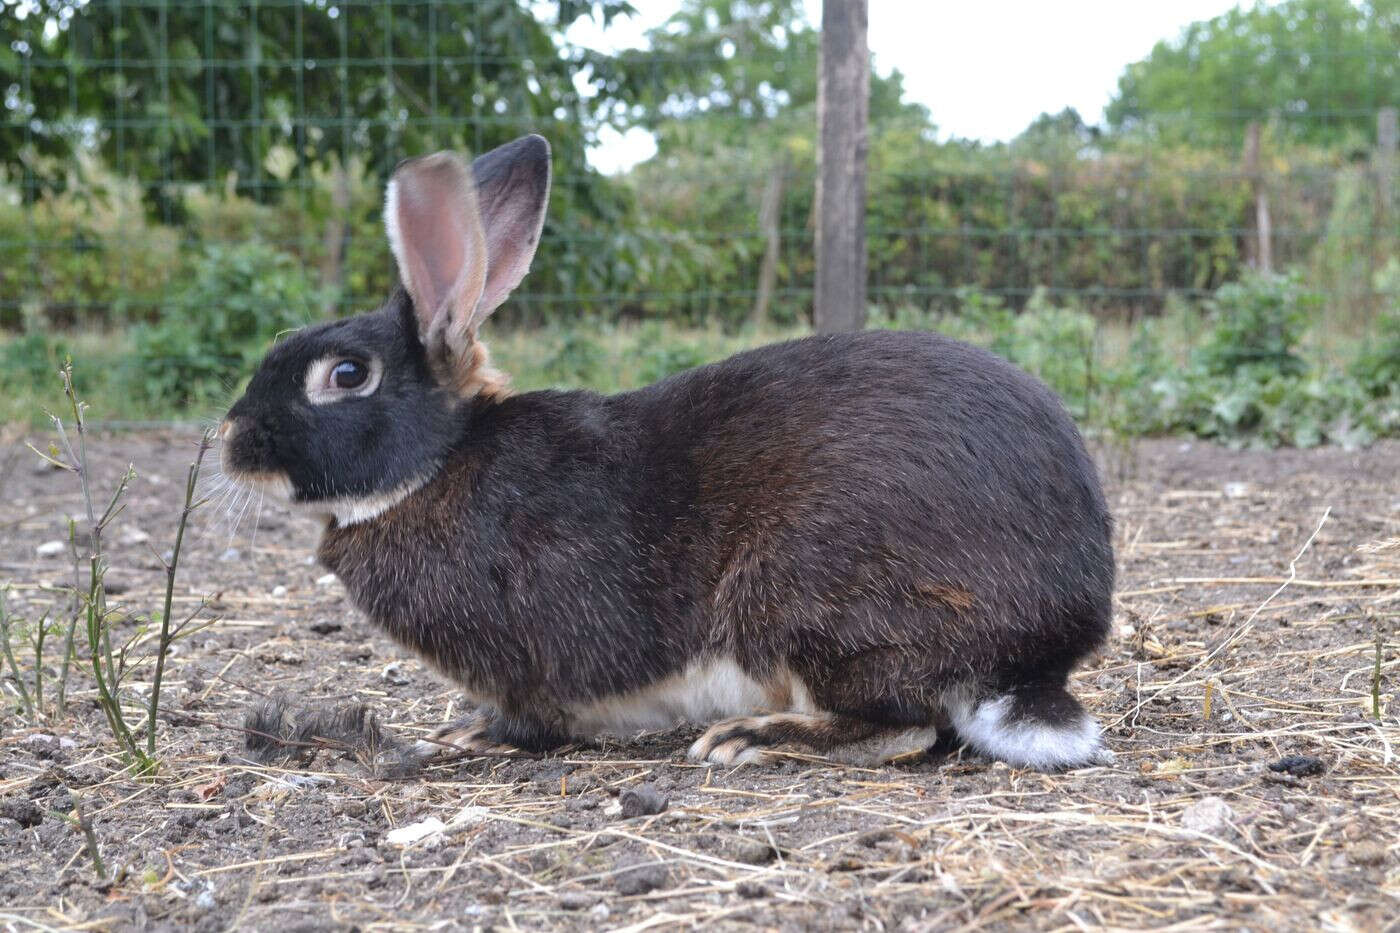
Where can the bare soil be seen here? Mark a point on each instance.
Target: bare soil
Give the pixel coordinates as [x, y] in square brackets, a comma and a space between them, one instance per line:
[1229, 656]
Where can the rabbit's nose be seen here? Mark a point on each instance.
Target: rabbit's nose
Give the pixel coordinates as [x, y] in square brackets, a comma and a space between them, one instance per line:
[228, 429]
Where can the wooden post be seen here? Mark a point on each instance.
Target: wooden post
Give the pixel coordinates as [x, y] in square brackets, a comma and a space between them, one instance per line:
[843, 104]
[1387, 138]
[770, 216]
[1259, 252]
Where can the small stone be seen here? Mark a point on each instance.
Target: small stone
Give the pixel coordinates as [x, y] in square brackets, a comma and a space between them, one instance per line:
[415, 832]
[750, 890]
[24, 812]
[324, 626]
[51, 548]
[52, 741]
[393, 674]
[642, 800]
[576, 900]
[325, 579]
[600, 912]
[279, 591]
[1299, 765]
[131, 536]
[1367, 853]
[228, 556]
[641, 878]
[1208, 815]
[754, 852]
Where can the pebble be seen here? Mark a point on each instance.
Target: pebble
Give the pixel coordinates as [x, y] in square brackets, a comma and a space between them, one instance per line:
[754, 852]
[576, 900]
[642, 800]
[393, 674]
[325, 580]
[279, 591]
[1208, 815]
[24, 812]
[414, 832]
[641, 878]
[1367, 852]
[1299, 765]
[51, 548]
[131, 535]
[44, 738]
[229, 555]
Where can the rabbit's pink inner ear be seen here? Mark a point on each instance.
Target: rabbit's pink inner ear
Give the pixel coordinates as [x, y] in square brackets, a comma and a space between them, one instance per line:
[512, 185]
[434, 228]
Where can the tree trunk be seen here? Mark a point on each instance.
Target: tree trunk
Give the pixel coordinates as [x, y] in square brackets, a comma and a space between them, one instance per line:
[843, 102]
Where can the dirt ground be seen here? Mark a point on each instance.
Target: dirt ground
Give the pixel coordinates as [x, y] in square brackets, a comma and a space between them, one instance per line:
[1217, 671]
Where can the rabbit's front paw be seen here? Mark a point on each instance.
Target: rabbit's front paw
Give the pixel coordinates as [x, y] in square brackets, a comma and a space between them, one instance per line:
[470, 734]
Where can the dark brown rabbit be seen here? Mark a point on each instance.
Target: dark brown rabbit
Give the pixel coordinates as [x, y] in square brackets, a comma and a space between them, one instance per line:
[844, 544]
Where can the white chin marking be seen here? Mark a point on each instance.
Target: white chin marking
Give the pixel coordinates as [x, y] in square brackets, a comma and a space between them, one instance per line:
[275, 483]
[987, 726]
[351, 510]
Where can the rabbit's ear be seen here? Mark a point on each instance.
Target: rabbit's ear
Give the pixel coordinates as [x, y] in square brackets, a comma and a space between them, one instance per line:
[434, 227]
[512, 190]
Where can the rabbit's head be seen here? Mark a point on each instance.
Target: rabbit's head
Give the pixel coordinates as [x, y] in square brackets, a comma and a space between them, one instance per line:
[350, 415]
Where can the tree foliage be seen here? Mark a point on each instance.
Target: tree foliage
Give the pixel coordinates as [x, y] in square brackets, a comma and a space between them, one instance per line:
[1319, 68]
[168, 90]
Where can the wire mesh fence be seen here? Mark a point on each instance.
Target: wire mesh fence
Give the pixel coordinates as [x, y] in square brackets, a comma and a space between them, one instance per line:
[147, 143]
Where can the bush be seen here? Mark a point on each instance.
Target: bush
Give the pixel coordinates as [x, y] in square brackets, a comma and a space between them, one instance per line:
[1247, 384]
[34, 358]
[240, 298]
[1258, 322]
[1377, 367]
[660, 360]
[578, 361]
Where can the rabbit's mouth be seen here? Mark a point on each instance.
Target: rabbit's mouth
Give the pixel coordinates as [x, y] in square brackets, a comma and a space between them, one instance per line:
[234, 460]
[251, 461]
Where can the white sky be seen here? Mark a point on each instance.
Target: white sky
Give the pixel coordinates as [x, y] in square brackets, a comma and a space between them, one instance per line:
[984, 68]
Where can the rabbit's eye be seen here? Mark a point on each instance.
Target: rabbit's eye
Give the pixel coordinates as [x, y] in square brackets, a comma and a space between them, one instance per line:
[337, 378]
[349, 374]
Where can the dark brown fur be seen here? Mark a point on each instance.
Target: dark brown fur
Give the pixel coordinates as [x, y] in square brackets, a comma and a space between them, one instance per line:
[891, 529]
[574, 546]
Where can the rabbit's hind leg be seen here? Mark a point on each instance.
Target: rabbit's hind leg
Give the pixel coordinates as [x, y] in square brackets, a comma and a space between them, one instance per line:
[847, 739]
[859, 708]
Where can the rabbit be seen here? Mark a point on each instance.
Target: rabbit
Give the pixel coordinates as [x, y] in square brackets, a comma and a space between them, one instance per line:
[856, 545]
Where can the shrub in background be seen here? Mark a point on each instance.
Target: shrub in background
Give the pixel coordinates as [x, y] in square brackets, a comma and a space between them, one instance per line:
[1377, 367]
[1259, 321]
[238, 300]
[85, 255]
